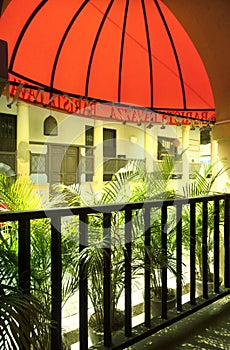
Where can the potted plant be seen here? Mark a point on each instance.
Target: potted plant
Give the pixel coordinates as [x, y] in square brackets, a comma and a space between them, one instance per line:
[93, 259]
[157, 260]
[202, 185]
[90, 260]
[156, 186]
[120, 189]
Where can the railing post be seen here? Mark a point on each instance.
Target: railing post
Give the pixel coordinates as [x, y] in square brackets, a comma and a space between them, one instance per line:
[107, 280]
[216, 239]
[83, 285]
[56, 283]
[165, 260]
[205, 250]
[226, 242]
[179, 255]
[193, 253]
[24, 263]
[147, 231]
[128, 276]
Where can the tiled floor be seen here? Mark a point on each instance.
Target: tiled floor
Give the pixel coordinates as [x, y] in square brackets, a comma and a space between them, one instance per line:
[207, 329]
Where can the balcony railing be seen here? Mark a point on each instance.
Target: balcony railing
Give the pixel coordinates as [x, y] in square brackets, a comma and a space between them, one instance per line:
[113, 165]
[177, 171]
[132, 334]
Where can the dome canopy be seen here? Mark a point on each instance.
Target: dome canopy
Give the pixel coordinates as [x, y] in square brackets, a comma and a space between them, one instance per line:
[79, 53]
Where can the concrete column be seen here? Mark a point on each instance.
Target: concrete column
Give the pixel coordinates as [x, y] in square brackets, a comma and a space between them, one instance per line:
[214, 150]
[185, 145]
[221, 136]
[23, 155]
[150, 150]
[214, 160]
[98, 154]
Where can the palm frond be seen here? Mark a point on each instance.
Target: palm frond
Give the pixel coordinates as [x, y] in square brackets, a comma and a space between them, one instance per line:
[20, 321]
[203, 181]
[64, 195]
[19, 194]
[117, 190]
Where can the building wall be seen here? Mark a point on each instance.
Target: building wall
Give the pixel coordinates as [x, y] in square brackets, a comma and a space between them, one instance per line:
[133, 141]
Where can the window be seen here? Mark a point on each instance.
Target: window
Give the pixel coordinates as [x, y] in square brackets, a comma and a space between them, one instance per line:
[50, 126]
[8, 127]
[205, 137]
[109, 143]
[89, 159]
[7, 132]
[89, 135]
[109, 151]
[38, 164]
[89, 139]
[167, 147]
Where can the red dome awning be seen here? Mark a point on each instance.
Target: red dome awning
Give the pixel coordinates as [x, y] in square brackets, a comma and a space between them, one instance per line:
[76, 53]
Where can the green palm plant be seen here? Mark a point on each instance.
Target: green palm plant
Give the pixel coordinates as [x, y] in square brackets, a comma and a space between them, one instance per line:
[130, 184]
[90, 261]
[202, 186]
[20, 320]
[20, 195]
[157, 258]
[156, 186]
[23, 317]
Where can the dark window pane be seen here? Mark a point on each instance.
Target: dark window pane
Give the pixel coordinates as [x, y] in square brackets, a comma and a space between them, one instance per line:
[89, 135]
[9, 160]
[7, 132]
[109, 143]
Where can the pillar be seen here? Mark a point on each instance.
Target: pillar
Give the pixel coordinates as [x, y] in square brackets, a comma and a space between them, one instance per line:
[214, 160]
[23, 154]
[185, 158]
[98, 155]
[150, 150]
[221, 138]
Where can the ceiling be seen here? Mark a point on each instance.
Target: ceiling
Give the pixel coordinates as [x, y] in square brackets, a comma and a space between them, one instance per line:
[208, 24]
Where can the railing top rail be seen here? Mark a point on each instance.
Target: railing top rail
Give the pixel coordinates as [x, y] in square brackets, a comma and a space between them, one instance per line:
[106, 208]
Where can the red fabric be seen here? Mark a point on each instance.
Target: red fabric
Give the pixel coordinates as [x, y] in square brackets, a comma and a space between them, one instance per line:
[35, 57]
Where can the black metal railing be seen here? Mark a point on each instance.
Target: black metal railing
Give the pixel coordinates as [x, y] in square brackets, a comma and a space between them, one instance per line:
[151, 324]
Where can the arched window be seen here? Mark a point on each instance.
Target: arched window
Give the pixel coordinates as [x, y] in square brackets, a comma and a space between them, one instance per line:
[50, 126]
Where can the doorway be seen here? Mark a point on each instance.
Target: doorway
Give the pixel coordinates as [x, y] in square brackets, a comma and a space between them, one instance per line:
[63, 164]
[109, 152]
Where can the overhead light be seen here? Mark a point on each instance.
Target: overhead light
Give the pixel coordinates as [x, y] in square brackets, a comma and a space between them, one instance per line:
[162, 125]
[192, 126]
[201, 127]
[88, 110]
[208, 127]
[149, 126]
